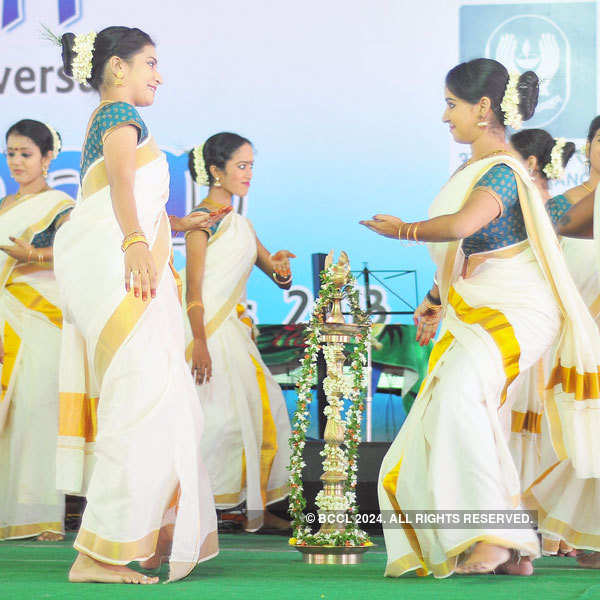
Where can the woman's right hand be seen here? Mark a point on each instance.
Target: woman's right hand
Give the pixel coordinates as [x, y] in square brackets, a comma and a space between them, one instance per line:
[140, 266]
[201, 362]
[427, 320]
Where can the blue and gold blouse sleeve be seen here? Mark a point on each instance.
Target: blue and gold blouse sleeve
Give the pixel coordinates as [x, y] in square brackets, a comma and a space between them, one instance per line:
[118, 114]
[45, 239]
[210, 231]
[557, 207]
[500, 181]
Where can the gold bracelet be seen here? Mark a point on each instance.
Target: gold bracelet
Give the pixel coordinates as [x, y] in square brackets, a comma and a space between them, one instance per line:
[29, 255]
[408, 230]
[400, 229]
[130, 240]
[415, 232]
[194, 304]
[40, 259]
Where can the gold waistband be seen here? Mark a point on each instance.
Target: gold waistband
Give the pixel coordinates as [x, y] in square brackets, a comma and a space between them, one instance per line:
[475, 260]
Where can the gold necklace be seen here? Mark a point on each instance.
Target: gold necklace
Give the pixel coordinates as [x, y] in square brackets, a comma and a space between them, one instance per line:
[471, 161]
[585, 186]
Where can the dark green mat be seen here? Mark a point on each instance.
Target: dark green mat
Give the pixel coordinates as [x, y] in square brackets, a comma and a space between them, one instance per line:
[264, 567]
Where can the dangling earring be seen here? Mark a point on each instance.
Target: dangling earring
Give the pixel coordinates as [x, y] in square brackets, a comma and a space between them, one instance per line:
[119, 79]
[482, 124]
[217, 182]
[44, 172]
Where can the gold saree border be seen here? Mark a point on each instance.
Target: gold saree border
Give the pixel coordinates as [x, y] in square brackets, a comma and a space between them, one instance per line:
[30, 298]
[96, 177]
[78, 416]
[12, 346]
[584, 386]
[498, 327]
[24, 531]
[113, 552]
[529, 421]
[127, 315]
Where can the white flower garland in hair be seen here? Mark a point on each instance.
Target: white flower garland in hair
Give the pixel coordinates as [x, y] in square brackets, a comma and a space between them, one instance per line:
[56, 145]
[554, 169]
[199, 166]
[510, 102]
[83, 47]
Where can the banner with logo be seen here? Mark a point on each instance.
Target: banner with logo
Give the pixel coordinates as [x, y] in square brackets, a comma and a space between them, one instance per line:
[342, 101]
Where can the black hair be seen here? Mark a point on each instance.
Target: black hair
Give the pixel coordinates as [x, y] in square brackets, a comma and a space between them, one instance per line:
[124, 42]
[473, 80]
[37, 132]
[539, 143]
[594, 126]
[217, 150]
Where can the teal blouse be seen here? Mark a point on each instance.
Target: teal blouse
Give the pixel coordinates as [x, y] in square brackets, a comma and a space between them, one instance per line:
[45, 238]
[506, 229]
[557, 207]
[108, 118]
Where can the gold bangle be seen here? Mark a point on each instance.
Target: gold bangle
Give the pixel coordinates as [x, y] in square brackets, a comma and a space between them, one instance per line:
[194, 304]
[130, 240]
[40, 258]
[415, 232]
[408, 229]
[29, 255]
[400, 229]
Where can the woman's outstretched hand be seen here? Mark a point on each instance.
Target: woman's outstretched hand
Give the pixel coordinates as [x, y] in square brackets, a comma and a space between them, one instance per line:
[198, 219]
[427, 320]
[385, 225]
[141, 268]
[280, 262]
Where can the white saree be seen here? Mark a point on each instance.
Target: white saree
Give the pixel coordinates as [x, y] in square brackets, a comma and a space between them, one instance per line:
[130, 422]
[247, 424]
[30, 323]
[499, 319]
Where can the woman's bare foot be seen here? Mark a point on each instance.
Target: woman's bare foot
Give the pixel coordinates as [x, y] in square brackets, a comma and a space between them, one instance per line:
[163, 549]
[272, 521]
[484, 559]
[591, 560]
[516, 565]
[50, 536]
[85, 569]
[565, 550]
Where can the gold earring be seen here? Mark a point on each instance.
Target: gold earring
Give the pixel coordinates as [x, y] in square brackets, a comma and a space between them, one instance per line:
[482, 123]
[217, 182]
[45, 172]
[119, 79]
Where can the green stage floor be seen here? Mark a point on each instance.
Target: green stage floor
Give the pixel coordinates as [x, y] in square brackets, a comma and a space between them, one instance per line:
[264, 567]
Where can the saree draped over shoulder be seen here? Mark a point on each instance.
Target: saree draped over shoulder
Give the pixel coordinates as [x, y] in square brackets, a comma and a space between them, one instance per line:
[130, 422]
[247, 424]
[502, 312]
[30, 325]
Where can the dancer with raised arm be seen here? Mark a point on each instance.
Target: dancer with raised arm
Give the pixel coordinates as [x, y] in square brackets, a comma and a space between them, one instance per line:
[247, 423]
[502, 284]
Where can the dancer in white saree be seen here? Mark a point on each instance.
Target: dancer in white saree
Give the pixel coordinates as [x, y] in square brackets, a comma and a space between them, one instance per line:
[503, 284]
[30, 328]
[528, 426]
[148, 496]
[247, 424]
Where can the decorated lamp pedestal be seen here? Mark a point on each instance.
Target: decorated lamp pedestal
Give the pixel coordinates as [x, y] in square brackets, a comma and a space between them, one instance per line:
[338, 541]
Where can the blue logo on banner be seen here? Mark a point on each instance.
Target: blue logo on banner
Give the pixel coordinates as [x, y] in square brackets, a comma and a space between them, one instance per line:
[557, 41]
[13, 12]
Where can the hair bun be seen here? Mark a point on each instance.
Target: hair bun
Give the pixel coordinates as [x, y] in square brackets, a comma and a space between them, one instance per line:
[529, 91]
[567, 152]
[67, 41]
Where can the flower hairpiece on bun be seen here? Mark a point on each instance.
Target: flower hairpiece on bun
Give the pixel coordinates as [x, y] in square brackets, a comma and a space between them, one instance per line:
[510, 102]
[554, 169]
[200, 166]
[83, 48]
[56, 143]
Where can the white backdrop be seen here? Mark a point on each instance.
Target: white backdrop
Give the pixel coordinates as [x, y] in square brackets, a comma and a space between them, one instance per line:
[342, 100]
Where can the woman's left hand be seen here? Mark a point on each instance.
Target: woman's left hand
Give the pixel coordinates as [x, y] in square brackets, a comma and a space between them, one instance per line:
[281, 264]
[21, 251]
[385, 225]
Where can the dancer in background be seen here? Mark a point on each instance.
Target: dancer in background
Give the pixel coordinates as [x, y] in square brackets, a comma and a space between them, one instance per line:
[30, 329]
[149, 496]
[247, 424]
[489, 229]
[566, 490]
